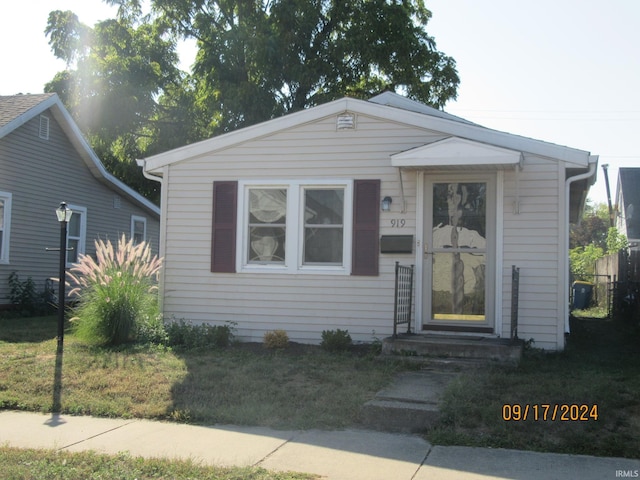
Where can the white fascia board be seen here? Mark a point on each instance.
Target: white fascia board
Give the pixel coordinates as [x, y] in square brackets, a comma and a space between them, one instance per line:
[456, 152]
[448, 127]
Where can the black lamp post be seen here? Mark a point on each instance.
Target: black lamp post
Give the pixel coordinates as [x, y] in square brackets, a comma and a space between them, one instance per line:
[64, 215]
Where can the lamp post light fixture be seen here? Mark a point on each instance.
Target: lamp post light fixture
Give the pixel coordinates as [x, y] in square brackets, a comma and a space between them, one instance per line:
[64, 216]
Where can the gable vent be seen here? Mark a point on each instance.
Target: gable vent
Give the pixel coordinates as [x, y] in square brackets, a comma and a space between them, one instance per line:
[44, 127]
[346, 121]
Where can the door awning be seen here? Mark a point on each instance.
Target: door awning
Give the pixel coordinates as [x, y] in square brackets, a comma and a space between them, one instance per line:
[457, 153]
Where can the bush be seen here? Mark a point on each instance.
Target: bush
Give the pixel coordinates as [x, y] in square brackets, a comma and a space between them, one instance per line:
[116, 293]
[275, 340]
[336, 340]
[151, 331]
[187, 335]
[23, 295]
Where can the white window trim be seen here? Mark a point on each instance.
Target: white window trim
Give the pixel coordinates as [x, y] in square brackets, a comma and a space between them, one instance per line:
[137, 218]
[83, 230]
[294, 232]
[6, 233]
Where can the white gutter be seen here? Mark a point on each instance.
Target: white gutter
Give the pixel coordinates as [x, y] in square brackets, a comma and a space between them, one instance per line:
[593, 165]
[163, 220]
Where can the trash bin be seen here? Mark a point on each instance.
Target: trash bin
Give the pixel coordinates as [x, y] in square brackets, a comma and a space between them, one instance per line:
[582, 292]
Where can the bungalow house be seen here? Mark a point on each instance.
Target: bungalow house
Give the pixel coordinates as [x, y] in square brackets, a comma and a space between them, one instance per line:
[297, 224]
[628, 205]
[44, 160]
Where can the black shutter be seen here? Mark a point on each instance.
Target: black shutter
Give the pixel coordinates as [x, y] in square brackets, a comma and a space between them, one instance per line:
[223, 236]
[366, 225]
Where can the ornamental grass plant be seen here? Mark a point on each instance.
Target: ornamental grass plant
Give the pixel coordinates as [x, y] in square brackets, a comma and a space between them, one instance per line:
[117, 292]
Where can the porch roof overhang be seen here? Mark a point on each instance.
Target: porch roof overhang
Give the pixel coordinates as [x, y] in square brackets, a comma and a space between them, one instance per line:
[455, 153]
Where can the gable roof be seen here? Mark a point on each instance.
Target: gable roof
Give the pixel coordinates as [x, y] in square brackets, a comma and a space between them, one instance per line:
[16, 110]
[389, 106]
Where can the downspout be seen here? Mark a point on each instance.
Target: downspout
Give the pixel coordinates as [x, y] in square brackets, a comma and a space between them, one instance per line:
[592, 170]
[157, 178]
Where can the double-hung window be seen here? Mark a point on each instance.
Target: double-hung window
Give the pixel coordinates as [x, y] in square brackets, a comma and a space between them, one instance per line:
[5, 226]
[295, 226]
[76, 234]
[138, 229]
[323, 220]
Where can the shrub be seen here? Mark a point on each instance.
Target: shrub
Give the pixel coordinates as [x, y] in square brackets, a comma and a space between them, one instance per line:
[23, 295]
[336, 340]
[116, 293]
[187, 335]
[152, 331]
[276, 340]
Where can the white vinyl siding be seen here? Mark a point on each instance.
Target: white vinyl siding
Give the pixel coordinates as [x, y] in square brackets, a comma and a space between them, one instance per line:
[305, 302]
[531, 242]
[5, 226]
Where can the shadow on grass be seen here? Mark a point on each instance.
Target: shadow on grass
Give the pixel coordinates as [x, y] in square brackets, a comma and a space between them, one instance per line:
[29, 329]
[302, 387]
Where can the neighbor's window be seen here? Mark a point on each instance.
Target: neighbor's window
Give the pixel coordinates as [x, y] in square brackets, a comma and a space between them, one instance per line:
[76, 234]
[295, 226]
[5, 226]
[323, 226]
[138, 229]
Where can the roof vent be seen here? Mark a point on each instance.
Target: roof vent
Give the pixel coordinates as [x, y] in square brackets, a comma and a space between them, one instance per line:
[44, 127]
[346, 121]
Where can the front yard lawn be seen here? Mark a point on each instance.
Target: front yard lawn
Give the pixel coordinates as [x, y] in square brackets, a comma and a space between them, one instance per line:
[297, 388]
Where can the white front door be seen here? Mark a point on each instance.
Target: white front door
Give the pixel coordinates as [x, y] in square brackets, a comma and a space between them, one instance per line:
[458, 253]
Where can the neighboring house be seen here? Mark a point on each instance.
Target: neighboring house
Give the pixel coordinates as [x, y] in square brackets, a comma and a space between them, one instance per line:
[281, 225]
[44, 160]
[628, 204]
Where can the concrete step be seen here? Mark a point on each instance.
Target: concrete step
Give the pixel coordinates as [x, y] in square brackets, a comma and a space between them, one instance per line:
[465, 347]
[410, 404]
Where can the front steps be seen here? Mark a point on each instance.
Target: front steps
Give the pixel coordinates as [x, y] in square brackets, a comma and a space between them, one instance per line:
[454, 347]
[411, 403]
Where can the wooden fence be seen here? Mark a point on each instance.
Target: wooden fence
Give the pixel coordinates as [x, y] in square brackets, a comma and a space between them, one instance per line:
[617, 279]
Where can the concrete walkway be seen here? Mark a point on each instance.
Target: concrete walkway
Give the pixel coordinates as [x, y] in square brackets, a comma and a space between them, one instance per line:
[347, 454]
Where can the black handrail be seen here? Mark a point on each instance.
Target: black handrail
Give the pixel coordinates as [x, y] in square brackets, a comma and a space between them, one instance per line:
[403, 297]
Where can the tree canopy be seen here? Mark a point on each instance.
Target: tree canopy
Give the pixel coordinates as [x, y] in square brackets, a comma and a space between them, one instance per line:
[256, 60]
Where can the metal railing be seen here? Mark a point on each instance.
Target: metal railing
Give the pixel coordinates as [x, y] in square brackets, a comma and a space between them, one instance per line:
[515, 293]
[403, 297]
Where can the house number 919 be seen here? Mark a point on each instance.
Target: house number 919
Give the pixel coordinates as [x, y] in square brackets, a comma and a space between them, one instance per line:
[397, 222]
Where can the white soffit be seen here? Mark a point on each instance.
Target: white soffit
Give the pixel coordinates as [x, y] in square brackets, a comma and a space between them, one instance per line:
[455, 152]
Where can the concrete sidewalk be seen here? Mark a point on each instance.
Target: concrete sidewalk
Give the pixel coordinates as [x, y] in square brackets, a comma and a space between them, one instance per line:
[347, 454]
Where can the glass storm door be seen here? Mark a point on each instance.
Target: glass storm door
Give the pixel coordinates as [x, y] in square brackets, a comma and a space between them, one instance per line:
[457, 254]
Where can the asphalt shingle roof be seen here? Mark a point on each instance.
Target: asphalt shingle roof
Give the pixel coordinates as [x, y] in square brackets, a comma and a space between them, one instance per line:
[12, 106]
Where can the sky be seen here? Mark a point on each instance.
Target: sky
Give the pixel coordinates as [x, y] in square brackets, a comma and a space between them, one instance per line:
[562, 71]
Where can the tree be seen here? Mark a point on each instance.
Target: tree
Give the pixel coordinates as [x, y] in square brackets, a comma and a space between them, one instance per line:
[256, 60]
[122, 70]
[592, 239]
[592, 228]
[261, 59]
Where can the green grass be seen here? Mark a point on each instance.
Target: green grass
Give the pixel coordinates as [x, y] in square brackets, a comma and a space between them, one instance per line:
[600, 366]
[39, 464]
[304, 387]
[297, 388]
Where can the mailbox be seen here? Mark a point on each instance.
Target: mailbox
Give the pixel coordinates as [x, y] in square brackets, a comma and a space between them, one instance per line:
[396, 244]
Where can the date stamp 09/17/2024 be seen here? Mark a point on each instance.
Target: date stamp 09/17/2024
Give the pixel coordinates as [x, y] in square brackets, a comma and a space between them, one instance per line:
[546, 412]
